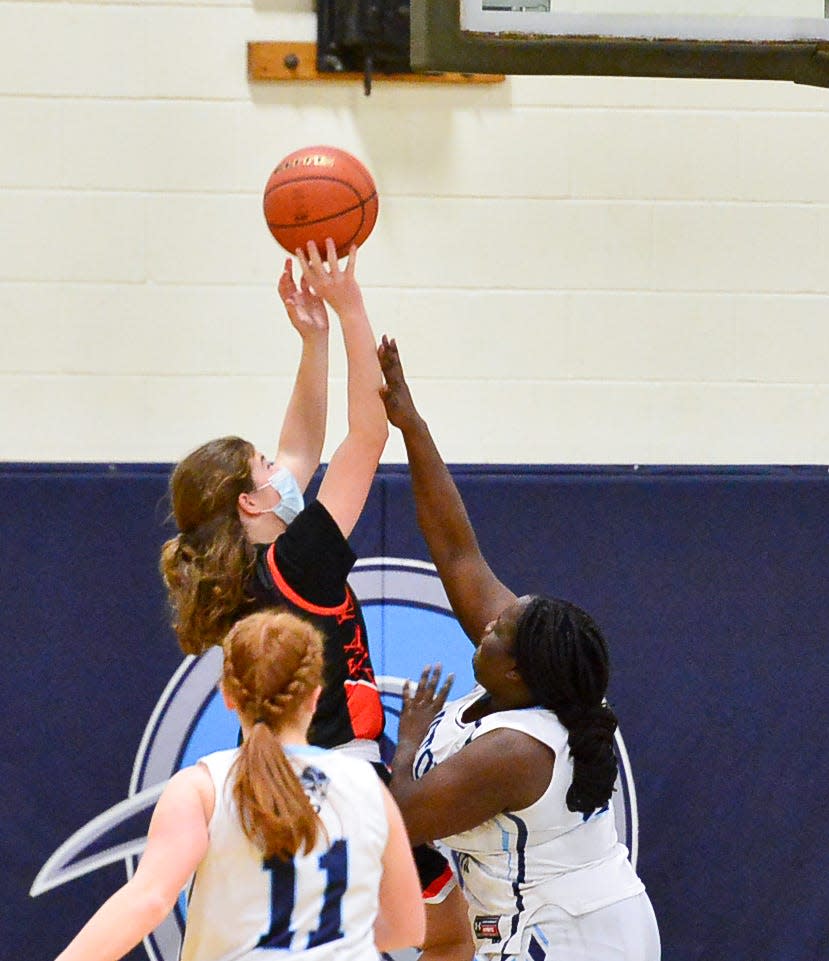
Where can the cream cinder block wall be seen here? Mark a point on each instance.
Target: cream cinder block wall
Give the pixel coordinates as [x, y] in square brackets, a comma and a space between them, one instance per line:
[577, 269]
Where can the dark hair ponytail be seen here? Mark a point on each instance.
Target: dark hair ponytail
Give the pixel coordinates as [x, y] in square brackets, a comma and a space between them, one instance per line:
[562, 657]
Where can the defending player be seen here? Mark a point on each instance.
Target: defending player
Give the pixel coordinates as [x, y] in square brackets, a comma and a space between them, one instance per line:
[535, 841]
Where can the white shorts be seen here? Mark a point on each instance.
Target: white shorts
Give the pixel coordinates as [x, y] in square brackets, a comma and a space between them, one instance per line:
[624, 931]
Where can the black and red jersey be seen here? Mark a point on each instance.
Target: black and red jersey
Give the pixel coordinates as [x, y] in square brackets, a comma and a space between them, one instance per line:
[306, 570]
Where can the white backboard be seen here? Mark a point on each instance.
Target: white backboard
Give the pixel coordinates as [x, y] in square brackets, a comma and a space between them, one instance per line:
[744, 20]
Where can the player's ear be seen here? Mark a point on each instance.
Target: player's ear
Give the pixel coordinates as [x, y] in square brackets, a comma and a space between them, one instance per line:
[313, 698]
[247, 505]
[230, 704]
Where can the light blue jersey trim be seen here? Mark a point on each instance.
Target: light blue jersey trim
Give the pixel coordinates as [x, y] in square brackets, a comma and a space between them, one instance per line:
[520, 874]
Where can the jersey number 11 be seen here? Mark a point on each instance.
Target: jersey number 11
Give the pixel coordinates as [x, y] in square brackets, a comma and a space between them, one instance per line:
[326, 886]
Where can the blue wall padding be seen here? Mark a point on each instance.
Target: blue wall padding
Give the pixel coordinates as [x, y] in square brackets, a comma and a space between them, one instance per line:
[710, 583]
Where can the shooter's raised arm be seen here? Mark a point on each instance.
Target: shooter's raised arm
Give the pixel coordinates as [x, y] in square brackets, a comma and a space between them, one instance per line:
[303, 427]
[349, 475]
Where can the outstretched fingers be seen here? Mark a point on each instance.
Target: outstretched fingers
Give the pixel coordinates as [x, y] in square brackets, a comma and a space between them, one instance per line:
[310, 259]
[331, 256]
[326, 277]
[443, 693]
[429, 677]
[389, 358]
[351, 266]
[286, 285]
[428, 686]
[395, 393]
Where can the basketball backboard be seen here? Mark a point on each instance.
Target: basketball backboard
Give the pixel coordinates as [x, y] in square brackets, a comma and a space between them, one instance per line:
[750, 39]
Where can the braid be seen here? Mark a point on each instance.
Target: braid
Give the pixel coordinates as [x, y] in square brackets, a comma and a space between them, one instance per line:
[278, 708]
[272, 662]
[563, 658]
[594, 762]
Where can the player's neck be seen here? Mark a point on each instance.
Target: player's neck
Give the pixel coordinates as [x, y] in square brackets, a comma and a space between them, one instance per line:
[294, 736]
[263, 528]
[296, 733]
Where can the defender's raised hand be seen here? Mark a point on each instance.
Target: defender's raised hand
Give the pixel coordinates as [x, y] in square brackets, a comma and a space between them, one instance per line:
[400, 408]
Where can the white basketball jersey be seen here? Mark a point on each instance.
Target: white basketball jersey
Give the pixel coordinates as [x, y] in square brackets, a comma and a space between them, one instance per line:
[514, 866]
[317, 906]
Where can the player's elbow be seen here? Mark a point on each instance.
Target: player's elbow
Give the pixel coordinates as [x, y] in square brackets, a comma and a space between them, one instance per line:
[371, 434]
[153, 902]
[381, 433]
[378, 425]
[406, 930]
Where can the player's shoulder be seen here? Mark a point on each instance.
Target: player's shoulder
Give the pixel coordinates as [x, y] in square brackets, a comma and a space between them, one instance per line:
[315, 532]
[311, 523]
[224, 756]
[195, 780]
[313, 520]
[217, 764]
[334, 761]
[535, 722]
[347, 769]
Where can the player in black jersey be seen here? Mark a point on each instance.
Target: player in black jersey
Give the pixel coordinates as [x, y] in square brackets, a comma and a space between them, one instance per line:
[305, 569]
[247, 541]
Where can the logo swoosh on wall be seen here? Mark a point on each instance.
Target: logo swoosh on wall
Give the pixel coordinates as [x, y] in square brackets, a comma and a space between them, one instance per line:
[68, 862]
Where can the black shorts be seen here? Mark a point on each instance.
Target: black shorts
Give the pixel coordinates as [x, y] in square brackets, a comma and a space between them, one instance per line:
[432, 867]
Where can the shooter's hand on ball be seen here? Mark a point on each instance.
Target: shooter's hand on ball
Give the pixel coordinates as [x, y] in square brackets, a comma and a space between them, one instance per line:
[337, 287]
[306, 310]
[400, 408]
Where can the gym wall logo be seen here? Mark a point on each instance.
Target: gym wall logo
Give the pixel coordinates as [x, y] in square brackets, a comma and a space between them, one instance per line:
[409, 623]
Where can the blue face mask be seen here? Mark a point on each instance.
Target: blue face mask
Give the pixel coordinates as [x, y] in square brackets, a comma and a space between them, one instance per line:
[291, 501]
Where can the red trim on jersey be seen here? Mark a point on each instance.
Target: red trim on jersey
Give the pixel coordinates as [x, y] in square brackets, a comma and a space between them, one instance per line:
[294, 598]
[438, 884]
[365, 709]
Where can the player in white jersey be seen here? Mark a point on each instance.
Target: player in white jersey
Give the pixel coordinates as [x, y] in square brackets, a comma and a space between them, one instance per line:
[522, 870]
[322, 903]
[287, 847]
[516, 778]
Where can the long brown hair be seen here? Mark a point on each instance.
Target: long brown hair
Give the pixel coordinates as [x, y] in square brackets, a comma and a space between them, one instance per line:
[272, 662]
[207, 565]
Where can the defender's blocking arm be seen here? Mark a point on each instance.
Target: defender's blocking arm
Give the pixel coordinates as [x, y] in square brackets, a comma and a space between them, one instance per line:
[475, 593]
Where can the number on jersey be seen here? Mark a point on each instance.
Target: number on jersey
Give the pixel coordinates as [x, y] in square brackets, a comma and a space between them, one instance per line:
[293, 893]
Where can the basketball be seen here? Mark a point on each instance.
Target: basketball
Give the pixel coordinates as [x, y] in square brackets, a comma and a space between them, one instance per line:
[320, 192]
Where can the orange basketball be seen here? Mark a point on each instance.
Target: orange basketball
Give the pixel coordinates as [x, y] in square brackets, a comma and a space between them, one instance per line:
[320, 192]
